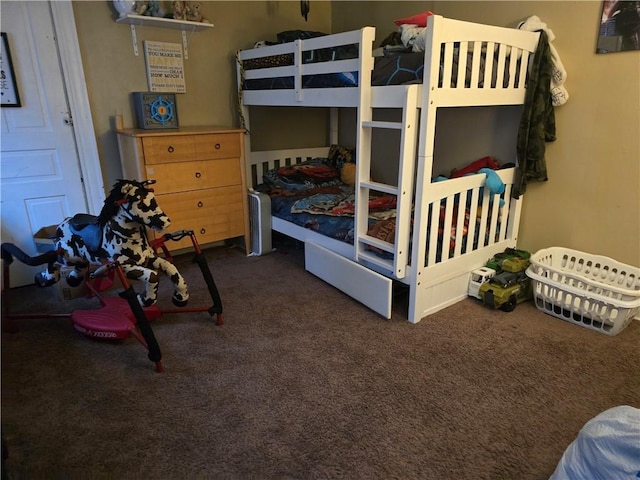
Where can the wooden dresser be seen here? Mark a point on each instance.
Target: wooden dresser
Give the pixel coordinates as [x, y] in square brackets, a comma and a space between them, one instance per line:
[200, 173]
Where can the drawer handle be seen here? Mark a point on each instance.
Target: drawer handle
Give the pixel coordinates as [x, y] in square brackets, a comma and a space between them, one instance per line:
[198, 174]
[200, 204]
[217, 146]
[203, 231]
[171, 149]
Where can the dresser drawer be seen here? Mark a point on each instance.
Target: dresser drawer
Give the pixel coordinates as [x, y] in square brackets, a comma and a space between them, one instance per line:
[217, 145]
[187, 176]
[213, 214]
[186, 148]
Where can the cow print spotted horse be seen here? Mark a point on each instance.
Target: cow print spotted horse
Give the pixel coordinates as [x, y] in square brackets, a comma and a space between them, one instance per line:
[117, 239]
[118, 234]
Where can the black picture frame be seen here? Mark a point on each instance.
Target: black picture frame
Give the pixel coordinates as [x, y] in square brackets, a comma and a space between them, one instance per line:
[9, 94]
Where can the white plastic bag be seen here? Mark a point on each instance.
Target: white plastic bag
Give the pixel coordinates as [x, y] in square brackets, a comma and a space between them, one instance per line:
[607, 447]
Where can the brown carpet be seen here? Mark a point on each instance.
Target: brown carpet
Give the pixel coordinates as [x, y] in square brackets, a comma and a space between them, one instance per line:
[302, 382]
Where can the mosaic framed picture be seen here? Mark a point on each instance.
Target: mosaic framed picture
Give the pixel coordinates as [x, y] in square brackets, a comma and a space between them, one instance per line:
[155, 110]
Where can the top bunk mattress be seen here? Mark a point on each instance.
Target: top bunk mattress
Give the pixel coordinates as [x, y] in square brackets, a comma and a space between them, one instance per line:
[466, 63]
[400, 68]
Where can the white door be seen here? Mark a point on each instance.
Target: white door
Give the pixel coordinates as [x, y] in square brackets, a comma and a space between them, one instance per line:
[40, 172]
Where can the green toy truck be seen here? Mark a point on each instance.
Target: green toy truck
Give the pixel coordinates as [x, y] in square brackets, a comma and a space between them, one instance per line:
[505, 290]
[511, 260]
[502, 282]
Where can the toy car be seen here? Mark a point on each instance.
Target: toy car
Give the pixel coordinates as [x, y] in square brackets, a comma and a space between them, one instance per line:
[478, 277]
[505, 290]
[511, 260]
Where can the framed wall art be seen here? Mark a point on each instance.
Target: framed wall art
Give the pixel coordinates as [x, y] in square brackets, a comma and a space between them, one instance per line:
[165, 68]
[619, 26]
[155, 110]
[8, 86]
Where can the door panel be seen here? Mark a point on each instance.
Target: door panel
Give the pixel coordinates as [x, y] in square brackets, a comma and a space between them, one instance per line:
[39, 165]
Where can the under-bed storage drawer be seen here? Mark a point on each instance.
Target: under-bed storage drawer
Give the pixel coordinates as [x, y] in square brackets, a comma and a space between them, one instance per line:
[366, 286]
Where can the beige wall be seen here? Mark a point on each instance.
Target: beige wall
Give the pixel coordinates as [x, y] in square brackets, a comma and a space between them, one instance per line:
[592, 199]
[112, 71]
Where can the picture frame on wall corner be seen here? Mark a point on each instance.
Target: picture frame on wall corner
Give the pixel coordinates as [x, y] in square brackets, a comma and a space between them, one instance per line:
[8, 86]
[619, 26]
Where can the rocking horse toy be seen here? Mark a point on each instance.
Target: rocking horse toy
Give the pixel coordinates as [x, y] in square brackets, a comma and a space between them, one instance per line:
[116, 242]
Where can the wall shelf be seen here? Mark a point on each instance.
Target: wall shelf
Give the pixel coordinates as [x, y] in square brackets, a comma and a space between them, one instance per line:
[184, 25]
[142, 20]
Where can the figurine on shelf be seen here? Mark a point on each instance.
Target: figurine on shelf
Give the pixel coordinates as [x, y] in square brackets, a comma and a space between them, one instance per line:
[193, 13]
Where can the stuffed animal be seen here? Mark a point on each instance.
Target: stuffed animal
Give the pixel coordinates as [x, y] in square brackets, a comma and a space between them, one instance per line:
[141, 7]
[348, 173]
[193, 13]
[179, 10]
[154, 9]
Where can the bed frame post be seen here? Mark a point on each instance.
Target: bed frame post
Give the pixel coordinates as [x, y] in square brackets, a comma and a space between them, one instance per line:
[363, 137]
[243, 112]
[333, 126]
[425, 166]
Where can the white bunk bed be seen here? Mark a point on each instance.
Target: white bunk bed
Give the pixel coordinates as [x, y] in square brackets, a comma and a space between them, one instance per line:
[437, 275]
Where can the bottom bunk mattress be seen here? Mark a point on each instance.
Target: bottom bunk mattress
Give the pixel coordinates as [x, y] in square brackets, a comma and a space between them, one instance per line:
[312, 195]
[329, 210]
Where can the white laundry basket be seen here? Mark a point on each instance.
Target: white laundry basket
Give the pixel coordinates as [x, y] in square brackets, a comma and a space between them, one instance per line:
[592, 291]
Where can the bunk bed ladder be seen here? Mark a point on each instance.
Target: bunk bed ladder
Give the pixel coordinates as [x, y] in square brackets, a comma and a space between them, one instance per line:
[403, 190]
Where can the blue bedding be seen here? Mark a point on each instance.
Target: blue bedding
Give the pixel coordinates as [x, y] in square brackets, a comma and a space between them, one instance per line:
[325, 80]
[337, 227]
[310, 194]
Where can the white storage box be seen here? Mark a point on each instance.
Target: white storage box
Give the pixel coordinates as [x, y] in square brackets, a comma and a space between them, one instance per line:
[589, 290]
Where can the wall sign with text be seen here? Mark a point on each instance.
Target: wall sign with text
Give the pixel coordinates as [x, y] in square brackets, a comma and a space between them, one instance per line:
[165, 68]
